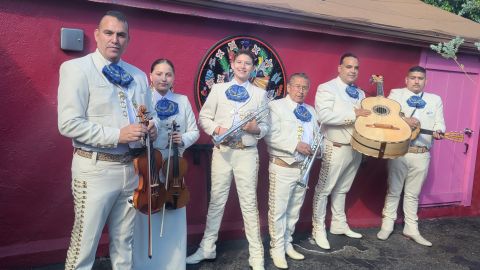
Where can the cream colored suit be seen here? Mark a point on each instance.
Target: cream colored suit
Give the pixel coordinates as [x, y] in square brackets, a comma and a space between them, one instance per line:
[185, 119]
[90, 112]
[335, 111]
[410, 171]
[242, 164]
[285, 197]
[169, 251]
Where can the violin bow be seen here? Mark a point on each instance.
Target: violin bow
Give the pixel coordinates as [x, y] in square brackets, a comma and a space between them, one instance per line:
[144, 120]
[170, 142]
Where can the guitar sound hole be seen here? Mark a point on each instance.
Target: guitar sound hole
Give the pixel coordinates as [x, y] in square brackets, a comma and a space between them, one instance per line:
[381, 110]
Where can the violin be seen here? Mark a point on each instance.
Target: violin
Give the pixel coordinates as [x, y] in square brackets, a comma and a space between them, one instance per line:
[174, 168]
[150, 195]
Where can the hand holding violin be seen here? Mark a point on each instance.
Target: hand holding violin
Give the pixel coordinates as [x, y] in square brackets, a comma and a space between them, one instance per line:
[177, 138]
[135, 132]
[152, 130]
[132, 133]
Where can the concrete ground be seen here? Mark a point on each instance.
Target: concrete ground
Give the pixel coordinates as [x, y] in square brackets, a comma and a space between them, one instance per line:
[456, 245]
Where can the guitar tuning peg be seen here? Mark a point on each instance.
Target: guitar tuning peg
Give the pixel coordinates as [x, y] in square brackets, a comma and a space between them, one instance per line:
[468, 132]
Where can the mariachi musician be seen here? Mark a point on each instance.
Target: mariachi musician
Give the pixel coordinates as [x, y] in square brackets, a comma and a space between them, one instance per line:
[408, 173]
[98, 96]
[290, 141]
[226, 106]
[168, 250]
[338, 105]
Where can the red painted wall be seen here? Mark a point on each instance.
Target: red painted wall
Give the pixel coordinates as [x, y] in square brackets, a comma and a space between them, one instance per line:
[36, 211]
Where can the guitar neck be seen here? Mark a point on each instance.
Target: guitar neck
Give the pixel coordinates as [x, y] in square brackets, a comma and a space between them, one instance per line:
[426, 131]
[380, 89]
[452, 136]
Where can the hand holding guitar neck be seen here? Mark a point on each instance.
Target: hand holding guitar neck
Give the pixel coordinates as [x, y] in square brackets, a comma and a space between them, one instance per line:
[438, 135]
[451, 136]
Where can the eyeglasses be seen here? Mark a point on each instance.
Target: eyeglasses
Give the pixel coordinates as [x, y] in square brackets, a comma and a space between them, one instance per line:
[300, 87]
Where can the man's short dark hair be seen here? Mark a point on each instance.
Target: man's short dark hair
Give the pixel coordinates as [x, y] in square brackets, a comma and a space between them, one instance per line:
[116, 14]
[298, 74]
[418, 69]
[246, 52]
[345, 55]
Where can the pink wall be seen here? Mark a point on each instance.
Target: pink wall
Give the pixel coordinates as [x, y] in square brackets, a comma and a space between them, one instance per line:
[36, 213]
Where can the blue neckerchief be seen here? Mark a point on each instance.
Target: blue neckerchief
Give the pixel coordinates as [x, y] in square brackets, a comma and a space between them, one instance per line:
[352, 91]
[237, 93]
[416, 102]
[302, 113]
[117, 75]
[166, 108]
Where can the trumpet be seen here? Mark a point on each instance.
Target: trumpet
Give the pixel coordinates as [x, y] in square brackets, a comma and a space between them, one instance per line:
[258, 115]
[317, 145]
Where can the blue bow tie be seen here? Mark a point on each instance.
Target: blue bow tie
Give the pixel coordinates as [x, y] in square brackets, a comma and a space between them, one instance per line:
[302, 113]
[352, 91]
[416, 102]
[117, 75]
[166, 108]
[237, 93]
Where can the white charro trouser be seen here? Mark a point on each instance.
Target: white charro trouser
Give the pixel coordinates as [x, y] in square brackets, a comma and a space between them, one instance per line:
[285, 198]
[339, 167]
[242, 164]
[101, 190]
[169, 250]
[409, 173]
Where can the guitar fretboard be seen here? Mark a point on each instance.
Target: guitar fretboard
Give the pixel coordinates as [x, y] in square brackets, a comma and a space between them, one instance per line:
[380, 89]
[426, 131]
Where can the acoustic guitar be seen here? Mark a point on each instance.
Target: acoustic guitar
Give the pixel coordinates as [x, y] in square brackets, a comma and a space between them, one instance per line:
[382, 134]
[452, 135]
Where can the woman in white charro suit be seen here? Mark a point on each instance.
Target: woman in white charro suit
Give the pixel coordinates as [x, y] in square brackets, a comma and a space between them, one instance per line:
[169, 251]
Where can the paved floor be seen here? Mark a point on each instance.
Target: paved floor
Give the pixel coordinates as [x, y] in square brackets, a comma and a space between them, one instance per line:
[456, 245]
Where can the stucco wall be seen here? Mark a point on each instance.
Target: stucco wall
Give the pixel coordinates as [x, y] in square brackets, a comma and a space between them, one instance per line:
[36, 211]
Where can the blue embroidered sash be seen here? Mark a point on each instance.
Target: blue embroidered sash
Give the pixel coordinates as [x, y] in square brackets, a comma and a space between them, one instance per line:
[352, 91]
[302, 113]
[117, 75]
[416, 102]
[166, 108]
[237, 93]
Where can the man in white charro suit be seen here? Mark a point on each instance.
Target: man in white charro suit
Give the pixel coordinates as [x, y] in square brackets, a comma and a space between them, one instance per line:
[225, 106]
[409, 172]
[292, 130]
[98, 95]
[337, 104]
